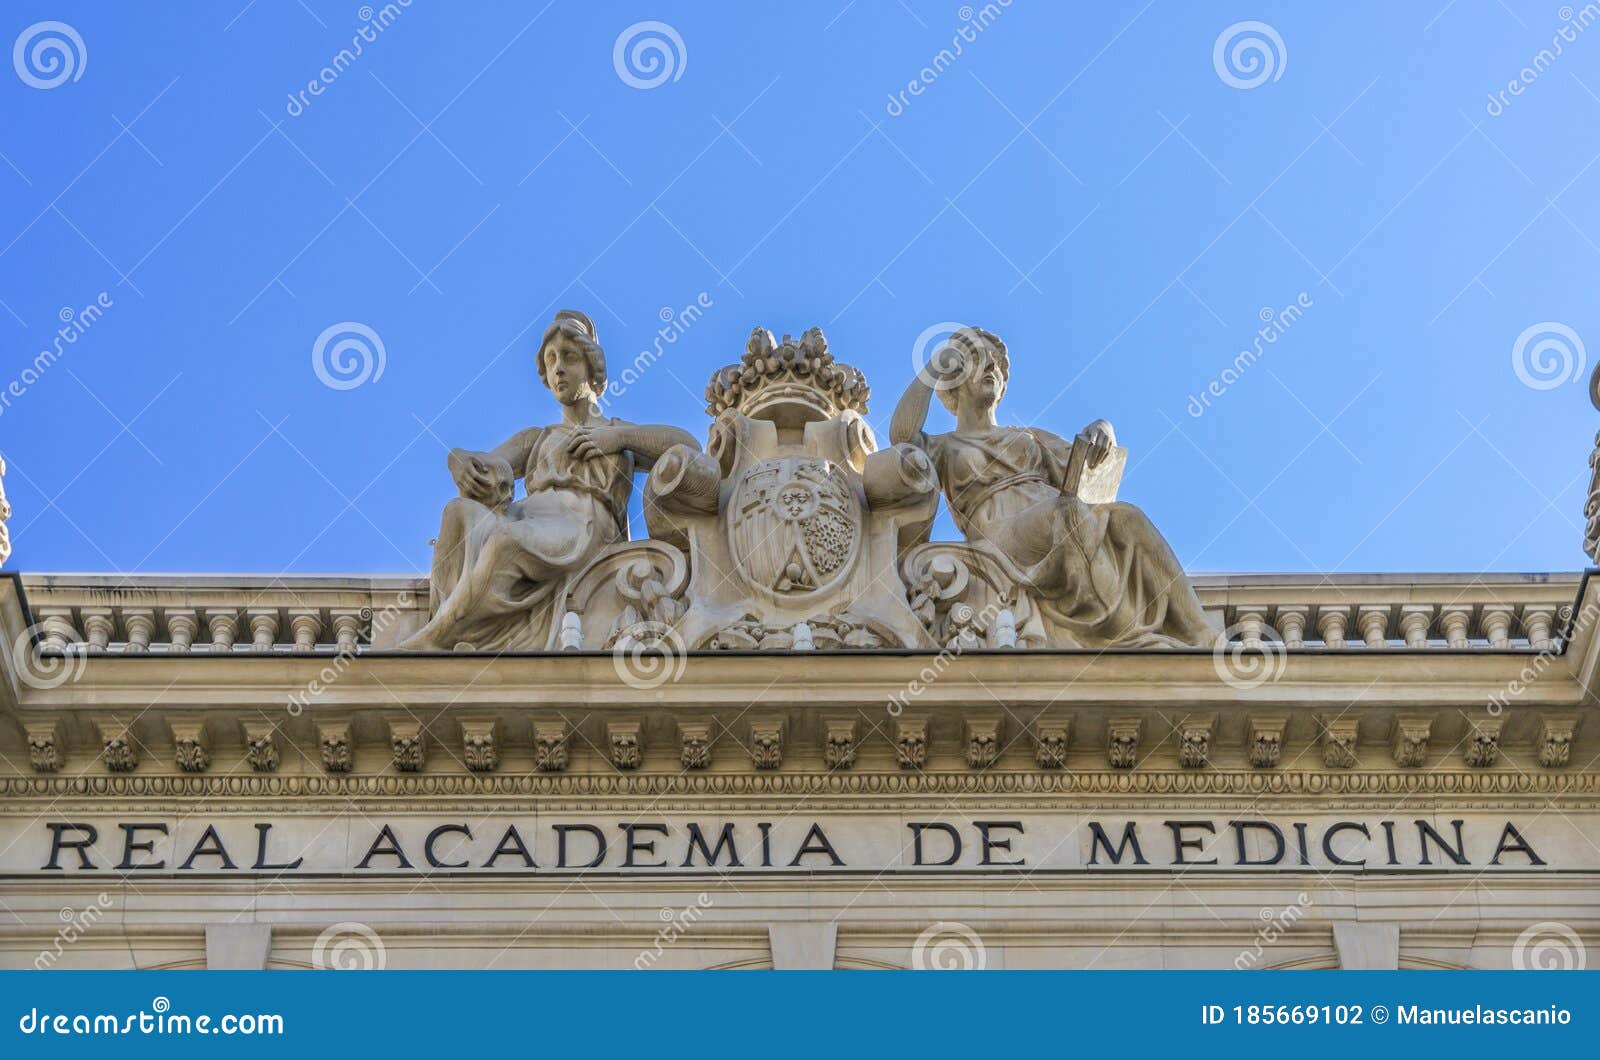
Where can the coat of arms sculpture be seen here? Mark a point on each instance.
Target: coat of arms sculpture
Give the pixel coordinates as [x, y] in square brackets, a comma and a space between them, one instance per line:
[791, 530]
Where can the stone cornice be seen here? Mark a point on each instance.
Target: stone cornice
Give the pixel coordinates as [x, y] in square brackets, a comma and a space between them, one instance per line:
[855, 790]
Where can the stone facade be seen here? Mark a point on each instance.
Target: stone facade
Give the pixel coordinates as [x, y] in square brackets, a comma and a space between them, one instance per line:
[788, 730]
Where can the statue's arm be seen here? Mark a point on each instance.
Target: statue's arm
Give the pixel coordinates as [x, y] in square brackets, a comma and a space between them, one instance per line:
[481, 475]
[911, 415]
[647, 441]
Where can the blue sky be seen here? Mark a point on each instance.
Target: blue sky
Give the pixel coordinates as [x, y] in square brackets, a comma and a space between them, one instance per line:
[1085, 180]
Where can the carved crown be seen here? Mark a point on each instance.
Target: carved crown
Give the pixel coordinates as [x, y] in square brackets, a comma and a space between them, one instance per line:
[787, 381]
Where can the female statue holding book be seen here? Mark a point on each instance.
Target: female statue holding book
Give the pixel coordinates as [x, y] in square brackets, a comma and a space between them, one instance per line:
[1100, 572]
[498, 562]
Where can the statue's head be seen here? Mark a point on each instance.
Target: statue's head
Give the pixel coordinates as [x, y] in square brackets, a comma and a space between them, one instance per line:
[974, 368]
[571, 363]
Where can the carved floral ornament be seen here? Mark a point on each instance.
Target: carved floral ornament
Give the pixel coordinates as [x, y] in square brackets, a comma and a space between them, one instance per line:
[793, 515]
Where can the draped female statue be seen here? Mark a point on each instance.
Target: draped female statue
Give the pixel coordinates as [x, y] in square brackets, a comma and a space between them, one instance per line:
[498, 562]
[1101, 573]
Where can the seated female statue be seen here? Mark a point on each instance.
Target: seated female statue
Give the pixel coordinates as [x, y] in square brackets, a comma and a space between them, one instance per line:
[497, 562]
[1101, 573]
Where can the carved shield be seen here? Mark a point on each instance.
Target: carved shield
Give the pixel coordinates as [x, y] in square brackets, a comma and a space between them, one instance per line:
[795, 526]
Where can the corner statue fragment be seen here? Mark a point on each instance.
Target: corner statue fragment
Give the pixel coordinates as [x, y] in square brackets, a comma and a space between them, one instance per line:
[792, 530]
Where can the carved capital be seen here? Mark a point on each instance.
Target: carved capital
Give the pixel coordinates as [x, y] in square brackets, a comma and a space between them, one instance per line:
[337, 745]
[480, 744]
[409, 744]
[1556, 733]
[261, 746]
[626, 740]
[1410, 741]
[1482, 748]
[1194, 740]
[1264, 739]
[1050, 741]
[766, 742]
[1339, 739]
[119, 747]
[911, 742]
[982, 741]
[44, 746]
[839, 743]
[552, 745]
[694, 743]
[1122, 741]
[190, 744]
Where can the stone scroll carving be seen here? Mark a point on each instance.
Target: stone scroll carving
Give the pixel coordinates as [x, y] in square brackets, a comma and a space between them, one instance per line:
[792, 530]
